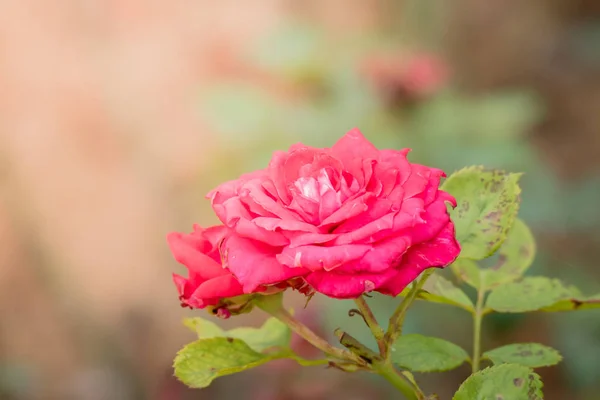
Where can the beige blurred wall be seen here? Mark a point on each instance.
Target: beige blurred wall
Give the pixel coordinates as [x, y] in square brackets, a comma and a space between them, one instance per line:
[98, 128]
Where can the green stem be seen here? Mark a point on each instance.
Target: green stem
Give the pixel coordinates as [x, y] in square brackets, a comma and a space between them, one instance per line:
[397, 319]
[311, 337]
[477, 319]
[398, 381]
[371, 322]
[307, 363]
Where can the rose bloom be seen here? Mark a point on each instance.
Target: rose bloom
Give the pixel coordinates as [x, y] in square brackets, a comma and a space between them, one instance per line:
[345, 220]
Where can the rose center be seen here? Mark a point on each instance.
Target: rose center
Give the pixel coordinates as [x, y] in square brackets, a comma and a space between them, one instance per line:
[314, 188]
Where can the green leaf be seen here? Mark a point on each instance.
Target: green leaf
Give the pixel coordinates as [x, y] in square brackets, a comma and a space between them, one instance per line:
[271, 303]
[531, 355]
[200, 362]
[204, 328]
[575, 302]
[420, 353]
[502, 382]
[529, 294]
[273, 333]
[488, 201]
[514, 257]
[468, 271]
[438, 289]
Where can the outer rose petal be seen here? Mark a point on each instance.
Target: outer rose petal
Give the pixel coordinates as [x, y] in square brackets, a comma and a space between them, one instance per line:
[382, 256]
[180, 283]
[208, 282]
[417, 181]
[276, 173]
[187, 251]
[439, 252]
[342, 286]
[432, 189]
[351, 150]
[396, 161]
[435, 219]
[223, 286]
[254, 264]
[230, 210]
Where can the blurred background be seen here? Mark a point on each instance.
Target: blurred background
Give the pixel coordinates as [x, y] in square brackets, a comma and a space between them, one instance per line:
[118, 116]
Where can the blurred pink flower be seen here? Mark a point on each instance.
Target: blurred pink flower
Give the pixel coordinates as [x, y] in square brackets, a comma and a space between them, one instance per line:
[412, 77]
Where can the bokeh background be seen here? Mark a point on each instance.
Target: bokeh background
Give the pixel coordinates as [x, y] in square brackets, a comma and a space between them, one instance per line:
[117, 116]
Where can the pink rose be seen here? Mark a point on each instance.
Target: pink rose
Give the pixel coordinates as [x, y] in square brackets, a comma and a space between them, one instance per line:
[208, 282]
[346, 220]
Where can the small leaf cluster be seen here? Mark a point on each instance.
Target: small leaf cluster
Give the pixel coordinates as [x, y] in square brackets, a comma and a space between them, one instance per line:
[487, 225]
[217, 352]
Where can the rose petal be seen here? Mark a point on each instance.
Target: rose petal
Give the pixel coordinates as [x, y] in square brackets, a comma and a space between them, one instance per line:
[180, 283]
[230, 210]
[341, 286]
[230, 189]
[349, 186]
[303, 238]
[386, 254]
[306, 208]
[349, 209]
[367, 233]
[393, 160]
[253, 191]
[435, 218]
[213, 235]
[321, 257]
[395, 285]
[380, 221]
[373, 210]
[221, 287]
[187, 250]
[417, 181]
[439, 252]
[300, 162]
[330, 202]
[273, 224]
[254, 263]
[251, 230]
[352, 150]
[402, 224]
[430, 191]
[276, 172]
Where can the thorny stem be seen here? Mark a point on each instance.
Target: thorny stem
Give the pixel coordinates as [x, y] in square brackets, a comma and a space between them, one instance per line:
[477, 318]
[397, 319]
[371, 322]
[307, 334]
[388, 372]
